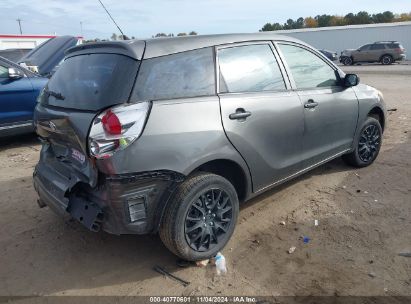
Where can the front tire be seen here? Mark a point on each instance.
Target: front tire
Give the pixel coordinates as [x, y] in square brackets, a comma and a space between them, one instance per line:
[367, 144]
[348, 61]
[200, 219]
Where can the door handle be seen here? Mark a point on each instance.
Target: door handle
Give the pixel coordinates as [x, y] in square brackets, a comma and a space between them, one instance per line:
[310, 104]
[240, 114]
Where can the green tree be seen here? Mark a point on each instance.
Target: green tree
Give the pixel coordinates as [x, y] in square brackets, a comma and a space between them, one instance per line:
[364, 18]
[181, 34]
[384, 17]
[266, 28]
[271, 27]
[193, 33]
[349, 18]
[114, 36]
[323, 20]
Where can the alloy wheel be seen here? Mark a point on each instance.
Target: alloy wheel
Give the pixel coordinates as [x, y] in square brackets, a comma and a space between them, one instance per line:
[386, 60]
[369, 143]
[347, 61]
[208, 219]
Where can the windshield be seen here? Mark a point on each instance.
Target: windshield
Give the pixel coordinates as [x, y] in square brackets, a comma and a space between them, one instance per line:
[91, 82]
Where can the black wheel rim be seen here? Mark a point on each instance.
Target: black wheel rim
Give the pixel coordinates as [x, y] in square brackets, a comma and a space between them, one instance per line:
[208, 219]
[369, 143]
[386, 60]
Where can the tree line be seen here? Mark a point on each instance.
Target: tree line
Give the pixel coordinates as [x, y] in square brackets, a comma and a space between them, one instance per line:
[115, 37]
[335, 20]
[192, 33]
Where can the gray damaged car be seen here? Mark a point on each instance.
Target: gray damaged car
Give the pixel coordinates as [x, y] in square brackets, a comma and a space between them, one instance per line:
[172, 135]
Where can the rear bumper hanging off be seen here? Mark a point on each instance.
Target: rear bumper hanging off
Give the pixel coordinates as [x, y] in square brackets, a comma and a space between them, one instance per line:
[119, 204]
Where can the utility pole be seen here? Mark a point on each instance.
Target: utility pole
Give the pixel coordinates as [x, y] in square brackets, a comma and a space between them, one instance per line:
[81, 28]
[19, 21]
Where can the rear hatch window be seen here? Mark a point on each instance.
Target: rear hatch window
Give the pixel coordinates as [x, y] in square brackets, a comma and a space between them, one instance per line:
[83, 86]
[91, 82]
[395, 46]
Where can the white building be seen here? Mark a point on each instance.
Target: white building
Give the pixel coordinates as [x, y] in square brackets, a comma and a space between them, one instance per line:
[338, 38]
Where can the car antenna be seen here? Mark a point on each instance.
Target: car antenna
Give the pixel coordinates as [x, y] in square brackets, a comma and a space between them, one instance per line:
[112, 19]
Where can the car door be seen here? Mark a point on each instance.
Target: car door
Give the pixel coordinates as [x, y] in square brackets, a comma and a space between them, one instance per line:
[363, 53]
[17, 97]
[330, 110]
[261, 116]
[376, 51]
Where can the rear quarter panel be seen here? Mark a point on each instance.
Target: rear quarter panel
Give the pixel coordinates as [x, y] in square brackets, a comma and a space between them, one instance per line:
[180, 135]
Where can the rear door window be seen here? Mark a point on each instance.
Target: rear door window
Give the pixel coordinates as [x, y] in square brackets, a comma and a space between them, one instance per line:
[308, 70]
[249, 68]
[181, 75]
[91, 82]
[376, 47]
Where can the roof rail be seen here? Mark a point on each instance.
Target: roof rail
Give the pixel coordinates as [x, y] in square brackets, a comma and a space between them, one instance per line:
[389, 41]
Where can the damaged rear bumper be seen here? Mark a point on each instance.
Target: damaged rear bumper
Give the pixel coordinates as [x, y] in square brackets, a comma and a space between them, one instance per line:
[119, 204]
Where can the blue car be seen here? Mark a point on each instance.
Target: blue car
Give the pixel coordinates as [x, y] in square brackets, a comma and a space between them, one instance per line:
[20, 84]
[19, 89]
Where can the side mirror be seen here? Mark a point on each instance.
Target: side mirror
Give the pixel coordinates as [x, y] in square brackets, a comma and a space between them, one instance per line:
[15, 73]
[351, 80]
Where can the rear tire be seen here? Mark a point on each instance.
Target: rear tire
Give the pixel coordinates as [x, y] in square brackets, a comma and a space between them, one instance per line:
[367, 144]
[200, 219]
[386, 60]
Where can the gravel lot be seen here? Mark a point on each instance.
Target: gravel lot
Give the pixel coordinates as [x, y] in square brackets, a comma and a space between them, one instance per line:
[364, 222]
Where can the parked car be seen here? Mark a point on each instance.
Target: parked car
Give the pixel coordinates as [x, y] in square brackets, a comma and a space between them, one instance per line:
[14, 54]
[386, 52]
[47, 56]
[171, 135]
[329, 54]
[20, 87]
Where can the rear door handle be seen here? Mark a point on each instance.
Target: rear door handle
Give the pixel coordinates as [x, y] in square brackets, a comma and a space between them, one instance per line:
[310, 104]
[240, 114]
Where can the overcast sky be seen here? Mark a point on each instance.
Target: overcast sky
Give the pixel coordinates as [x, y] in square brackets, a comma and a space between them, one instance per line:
[143, 18]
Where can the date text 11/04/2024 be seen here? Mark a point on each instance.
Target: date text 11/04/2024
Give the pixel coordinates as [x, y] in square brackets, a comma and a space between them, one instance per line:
[203, 299]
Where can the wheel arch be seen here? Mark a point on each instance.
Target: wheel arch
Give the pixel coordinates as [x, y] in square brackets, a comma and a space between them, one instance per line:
[231, 171]
[386, 54]
[234, 172]
[377, 113]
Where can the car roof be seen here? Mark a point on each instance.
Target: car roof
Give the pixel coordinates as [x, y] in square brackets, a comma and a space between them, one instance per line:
[157, 47]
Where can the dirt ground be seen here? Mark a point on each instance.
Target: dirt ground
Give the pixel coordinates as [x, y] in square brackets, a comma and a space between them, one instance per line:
[364, 223]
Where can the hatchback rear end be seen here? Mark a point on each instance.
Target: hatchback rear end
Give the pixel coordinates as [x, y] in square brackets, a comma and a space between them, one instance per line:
[398, 51]
[82, 117]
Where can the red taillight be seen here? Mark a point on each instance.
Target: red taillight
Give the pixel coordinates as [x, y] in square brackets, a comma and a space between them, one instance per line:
[111, 123]
[399, 50]
[116, 128]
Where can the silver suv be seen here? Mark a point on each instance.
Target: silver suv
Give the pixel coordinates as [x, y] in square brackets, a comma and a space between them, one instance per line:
[171, 135]
[385, 52]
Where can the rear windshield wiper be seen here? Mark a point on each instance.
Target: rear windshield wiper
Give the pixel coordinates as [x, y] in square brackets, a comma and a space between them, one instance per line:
[55, 94]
